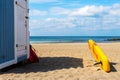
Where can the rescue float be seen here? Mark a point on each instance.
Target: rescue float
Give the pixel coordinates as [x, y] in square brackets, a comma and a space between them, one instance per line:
[99, 55]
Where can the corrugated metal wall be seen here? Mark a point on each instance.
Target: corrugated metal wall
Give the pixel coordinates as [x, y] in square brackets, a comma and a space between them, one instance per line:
[6, 30]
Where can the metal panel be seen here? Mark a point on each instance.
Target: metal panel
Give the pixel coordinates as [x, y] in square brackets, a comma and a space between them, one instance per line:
[21, 3]
[6, 30]
[21, 29]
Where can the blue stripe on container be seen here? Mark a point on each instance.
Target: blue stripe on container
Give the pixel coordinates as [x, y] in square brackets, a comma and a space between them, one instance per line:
[19, 59]
[6, 30]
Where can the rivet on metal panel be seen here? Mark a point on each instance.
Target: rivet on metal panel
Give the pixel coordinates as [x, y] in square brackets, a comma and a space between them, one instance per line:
[16, 2]
[25, 47]
[16, 45]
[26, 17]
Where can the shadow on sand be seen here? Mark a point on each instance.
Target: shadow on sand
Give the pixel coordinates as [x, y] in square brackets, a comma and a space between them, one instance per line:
[48, 64]
[112, 68]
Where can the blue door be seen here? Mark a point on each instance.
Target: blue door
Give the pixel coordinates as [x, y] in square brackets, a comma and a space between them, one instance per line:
[6, 30]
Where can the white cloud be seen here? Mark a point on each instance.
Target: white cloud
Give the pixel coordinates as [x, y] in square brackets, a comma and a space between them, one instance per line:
[42, 1]
[89, 10]
[34, 24]
[36, 12]
[85, 18]
[115, 10]
[53, 23]
[59, 11]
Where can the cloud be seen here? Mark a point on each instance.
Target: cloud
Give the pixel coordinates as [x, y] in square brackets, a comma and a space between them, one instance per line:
[42, 1]
[34, 24]
[59, 11]
[115, 10]
[36, 12]
[89, 17]
[53, 23]
[89, 10]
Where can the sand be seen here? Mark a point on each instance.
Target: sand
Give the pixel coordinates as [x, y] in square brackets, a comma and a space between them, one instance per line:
[67, 61]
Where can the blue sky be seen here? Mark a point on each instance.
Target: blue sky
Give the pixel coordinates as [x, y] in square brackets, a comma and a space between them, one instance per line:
[74, 17]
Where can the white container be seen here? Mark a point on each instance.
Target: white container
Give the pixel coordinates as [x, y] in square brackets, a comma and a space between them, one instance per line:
[14, 32]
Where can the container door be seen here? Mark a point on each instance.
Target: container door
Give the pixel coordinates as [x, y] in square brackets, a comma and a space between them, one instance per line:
[21, 28]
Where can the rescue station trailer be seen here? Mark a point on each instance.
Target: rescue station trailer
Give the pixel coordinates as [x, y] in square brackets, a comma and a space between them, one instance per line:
[14, 32]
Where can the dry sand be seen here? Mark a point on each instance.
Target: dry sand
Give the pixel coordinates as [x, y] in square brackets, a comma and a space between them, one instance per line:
[67, 61]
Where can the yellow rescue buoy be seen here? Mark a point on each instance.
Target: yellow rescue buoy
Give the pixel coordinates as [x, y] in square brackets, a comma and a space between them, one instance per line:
[99, 55]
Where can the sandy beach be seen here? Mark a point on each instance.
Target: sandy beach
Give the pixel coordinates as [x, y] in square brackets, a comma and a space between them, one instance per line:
[67, 61]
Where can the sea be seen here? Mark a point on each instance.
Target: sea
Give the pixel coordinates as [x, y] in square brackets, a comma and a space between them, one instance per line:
[72, 39]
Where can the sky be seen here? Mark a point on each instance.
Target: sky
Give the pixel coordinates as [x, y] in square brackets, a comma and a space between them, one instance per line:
[74, 17]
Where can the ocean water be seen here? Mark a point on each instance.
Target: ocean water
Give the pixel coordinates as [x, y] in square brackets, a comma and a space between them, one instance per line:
[72, 39]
